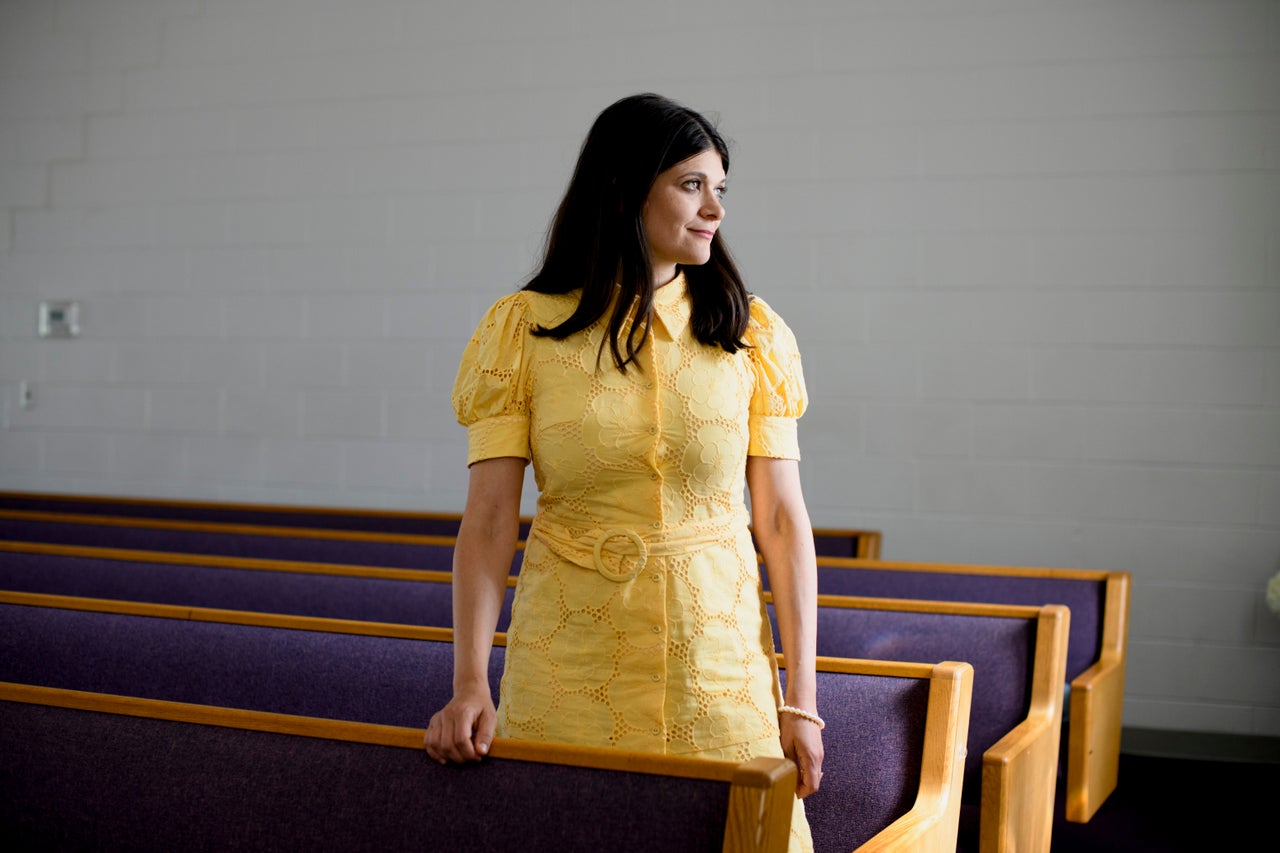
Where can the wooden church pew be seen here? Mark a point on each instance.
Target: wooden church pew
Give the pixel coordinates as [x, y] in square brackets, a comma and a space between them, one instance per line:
[1096, 653]
[93, 771]
[829, 541]
[895, 737]
[1018, 652]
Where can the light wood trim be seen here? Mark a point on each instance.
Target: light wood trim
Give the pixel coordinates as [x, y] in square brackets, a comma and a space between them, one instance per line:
[761, 801]
[1097, 709]
[933, 822]
[967, 568]
[920, 605]
[866, 666]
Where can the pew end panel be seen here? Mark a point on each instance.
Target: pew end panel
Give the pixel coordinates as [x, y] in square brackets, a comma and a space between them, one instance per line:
[1027, 758]
[1096, 709]
[89, 770]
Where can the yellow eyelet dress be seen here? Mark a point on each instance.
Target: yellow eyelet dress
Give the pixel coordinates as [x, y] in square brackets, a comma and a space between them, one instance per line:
[638, 619]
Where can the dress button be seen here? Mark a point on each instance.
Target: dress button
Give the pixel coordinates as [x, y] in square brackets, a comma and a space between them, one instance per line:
[657, 525]
[655, 577]
[657, 677]
[657, 629]
[653, 476]
[653, 430]
[656, 730]
[648, 384]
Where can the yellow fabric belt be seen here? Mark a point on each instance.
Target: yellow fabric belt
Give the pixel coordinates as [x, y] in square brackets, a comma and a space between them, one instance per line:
[620, 553]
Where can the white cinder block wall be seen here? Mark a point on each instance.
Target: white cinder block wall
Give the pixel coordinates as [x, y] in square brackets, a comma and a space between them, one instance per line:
[1031, 249]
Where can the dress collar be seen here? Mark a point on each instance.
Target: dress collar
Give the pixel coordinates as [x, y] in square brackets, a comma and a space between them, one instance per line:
[671, 305]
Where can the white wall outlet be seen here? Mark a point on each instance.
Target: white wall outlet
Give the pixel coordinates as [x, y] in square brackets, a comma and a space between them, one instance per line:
[59, 318]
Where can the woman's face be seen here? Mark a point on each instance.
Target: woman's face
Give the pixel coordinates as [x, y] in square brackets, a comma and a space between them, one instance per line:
[682, 212]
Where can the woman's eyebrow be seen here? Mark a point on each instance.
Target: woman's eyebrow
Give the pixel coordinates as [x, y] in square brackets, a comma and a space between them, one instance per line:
[702, 175]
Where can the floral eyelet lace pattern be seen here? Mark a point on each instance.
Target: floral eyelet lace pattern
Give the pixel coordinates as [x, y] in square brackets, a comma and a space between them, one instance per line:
[638, 621]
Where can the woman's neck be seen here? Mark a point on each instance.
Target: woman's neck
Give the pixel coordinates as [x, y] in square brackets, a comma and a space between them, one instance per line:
[664, 276]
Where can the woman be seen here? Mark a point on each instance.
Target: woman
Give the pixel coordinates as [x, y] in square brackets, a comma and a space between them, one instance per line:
[648, 388]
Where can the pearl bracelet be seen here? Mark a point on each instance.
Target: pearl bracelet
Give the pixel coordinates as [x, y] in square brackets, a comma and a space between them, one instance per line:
[803, 714]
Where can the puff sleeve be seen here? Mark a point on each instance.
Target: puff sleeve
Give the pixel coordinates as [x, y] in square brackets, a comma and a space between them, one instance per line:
[779, 397]
[489, 392]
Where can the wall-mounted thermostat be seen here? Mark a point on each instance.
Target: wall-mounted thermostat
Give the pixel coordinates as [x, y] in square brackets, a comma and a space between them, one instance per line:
[59, 318]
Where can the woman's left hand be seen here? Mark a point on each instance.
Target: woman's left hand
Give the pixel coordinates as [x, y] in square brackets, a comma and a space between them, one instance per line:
[802, 743]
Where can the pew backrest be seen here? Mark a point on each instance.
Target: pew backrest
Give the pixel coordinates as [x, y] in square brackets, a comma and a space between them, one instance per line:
[95, 771]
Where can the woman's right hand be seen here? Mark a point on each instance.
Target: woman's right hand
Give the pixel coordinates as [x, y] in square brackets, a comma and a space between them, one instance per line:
[462, 730]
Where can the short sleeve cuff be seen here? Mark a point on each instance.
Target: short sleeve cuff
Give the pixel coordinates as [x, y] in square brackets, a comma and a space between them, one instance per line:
[776, 437]
[506, 435]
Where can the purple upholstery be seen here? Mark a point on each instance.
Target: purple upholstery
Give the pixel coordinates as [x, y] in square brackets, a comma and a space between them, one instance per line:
[83, 780]
[835, 546]
[1000, 649]
[344, 676]
[410, 602]
[869, 719]
[360, 552]
[1084, 597]
[875, 725]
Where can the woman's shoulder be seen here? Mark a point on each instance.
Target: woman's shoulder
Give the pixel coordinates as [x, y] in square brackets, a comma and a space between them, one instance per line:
[764, 320]
[538, 309]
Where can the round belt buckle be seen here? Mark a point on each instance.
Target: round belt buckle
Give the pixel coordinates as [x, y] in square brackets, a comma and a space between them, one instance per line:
[642, 554]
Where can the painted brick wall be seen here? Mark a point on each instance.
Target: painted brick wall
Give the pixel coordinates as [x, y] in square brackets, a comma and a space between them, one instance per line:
[1031, 250]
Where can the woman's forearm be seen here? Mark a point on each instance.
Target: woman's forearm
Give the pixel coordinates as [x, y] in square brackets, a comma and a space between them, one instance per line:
[482, 556]
[783, 532]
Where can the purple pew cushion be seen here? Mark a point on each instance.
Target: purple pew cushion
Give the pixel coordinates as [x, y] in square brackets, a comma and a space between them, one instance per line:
[1085, 598]
[1001, 651]
[409, 602]
[343, 676]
